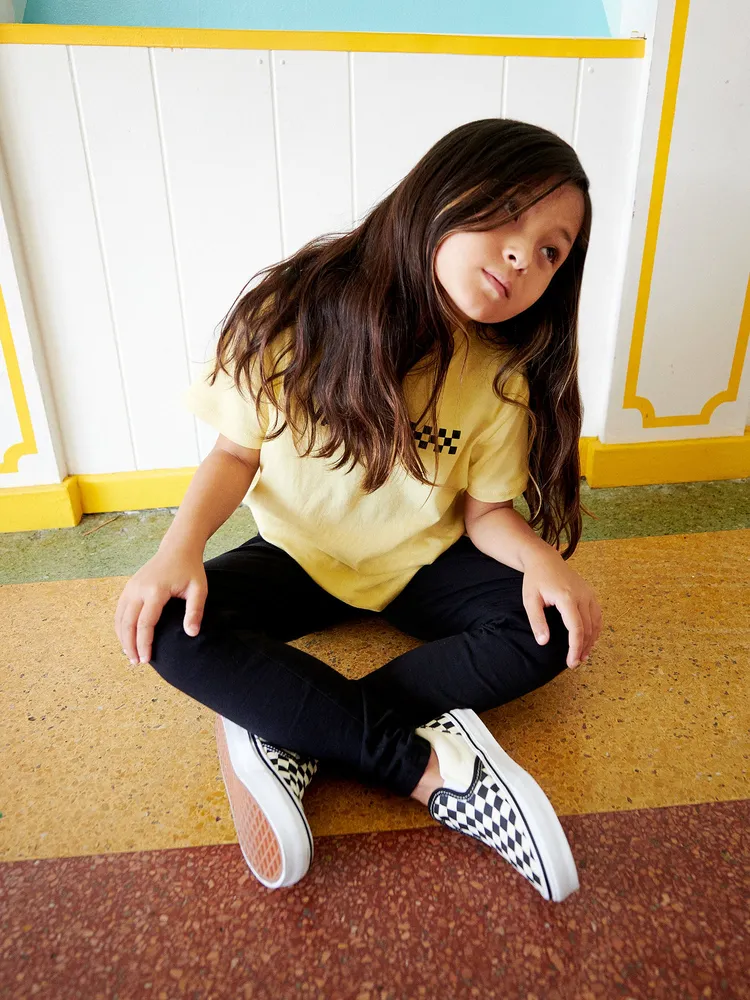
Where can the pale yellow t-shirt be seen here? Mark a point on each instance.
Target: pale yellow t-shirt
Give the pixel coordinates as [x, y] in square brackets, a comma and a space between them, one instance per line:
[361, 548]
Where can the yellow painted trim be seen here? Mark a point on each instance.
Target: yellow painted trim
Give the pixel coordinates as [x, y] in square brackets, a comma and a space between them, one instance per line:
[652, 462]
[325, 41]
[27, 445]
[644, 464]
[33, 508]
[584, 450]
[134, 490]
[631, 399]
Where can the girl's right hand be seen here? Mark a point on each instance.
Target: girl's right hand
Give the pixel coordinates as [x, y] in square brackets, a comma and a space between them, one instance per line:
[171, 573]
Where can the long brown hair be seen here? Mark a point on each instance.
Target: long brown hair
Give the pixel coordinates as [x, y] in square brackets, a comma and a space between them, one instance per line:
[365, 307]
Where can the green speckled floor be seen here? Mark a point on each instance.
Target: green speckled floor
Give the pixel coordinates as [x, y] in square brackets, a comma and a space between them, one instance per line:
[121, 546]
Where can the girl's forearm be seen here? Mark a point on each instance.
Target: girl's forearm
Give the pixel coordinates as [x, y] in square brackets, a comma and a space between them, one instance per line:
[503, 534]
[215, 492]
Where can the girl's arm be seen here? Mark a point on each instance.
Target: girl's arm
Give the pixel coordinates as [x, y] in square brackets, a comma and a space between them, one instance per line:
[215, 492]
[499, 531]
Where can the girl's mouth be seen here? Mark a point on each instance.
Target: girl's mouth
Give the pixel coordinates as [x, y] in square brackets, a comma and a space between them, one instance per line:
[497, 284]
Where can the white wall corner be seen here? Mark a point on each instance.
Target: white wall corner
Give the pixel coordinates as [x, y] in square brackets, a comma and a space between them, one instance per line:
[626, 425]
[613, 13]
[12, 11]
[637, 18]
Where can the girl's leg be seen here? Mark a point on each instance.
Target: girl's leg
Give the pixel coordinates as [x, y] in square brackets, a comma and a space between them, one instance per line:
[241, 667]
[480, 651]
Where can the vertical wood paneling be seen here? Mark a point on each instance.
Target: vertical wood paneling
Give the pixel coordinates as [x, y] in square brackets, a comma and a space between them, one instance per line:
[217, 121]
[165, 244]
[404, 103]
[543, 92]
[121, 134]
[41, 138]
[607, 148]
[314, 148]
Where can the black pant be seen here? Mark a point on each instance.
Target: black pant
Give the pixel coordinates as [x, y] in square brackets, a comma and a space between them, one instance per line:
[479, 652]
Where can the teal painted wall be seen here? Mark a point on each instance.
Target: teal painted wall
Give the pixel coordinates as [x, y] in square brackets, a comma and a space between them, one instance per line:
[575, 18]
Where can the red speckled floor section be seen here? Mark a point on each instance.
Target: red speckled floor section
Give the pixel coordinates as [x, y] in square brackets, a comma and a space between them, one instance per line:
[662, 913]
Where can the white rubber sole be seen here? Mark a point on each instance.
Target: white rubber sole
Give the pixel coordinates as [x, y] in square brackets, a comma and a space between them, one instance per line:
[546, 832]
[272, 828]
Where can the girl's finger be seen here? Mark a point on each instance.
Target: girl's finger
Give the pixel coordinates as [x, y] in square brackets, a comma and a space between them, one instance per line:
[118, 617]
[534, 605]
[588, 629]
[194, 604]
[596, 618]
[128, 628]
[147, 620]
[571, 616]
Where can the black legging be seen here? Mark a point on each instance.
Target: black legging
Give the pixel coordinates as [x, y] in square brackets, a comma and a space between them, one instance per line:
[479, 652]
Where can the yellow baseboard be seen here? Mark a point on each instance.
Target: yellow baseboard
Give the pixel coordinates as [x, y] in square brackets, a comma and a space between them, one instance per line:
[134, 490]
[650, 463]
[31, 508]
[61, 505]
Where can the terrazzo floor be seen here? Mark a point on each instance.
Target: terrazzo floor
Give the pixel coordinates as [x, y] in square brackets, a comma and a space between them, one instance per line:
[121, 876]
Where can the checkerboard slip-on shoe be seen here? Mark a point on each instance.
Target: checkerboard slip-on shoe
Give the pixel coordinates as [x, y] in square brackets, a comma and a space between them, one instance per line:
[491, 798]
[265, 785]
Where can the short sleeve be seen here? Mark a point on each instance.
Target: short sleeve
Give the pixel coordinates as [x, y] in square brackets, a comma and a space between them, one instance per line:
[228, 411]
[498, 462]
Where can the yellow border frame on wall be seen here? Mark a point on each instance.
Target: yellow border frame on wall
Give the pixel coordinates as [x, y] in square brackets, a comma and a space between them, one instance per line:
[322, 41]
[27, 444]
[631, 399]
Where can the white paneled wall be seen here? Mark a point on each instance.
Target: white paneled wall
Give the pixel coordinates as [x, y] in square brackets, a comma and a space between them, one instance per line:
[402, 104]
[151, 185]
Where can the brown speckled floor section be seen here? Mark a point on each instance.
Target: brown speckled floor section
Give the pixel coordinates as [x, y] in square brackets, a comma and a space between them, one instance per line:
[102, 756]
[661, 915]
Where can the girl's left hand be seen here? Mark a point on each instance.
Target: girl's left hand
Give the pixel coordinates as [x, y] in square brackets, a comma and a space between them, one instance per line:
[547, 581]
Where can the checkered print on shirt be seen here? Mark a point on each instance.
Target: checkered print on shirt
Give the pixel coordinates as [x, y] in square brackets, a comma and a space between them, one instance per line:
[294, 770]
[487, 812]
[425, 436]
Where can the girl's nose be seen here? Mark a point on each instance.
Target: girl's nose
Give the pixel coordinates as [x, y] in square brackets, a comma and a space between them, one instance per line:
[517, 257]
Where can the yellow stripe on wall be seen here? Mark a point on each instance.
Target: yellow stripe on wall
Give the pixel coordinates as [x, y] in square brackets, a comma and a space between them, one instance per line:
[27, 444]
[325, 41]
[61, 505]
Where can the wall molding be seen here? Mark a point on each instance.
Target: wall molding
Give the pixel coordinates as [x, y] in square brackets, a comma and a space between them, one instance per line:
[631, 399]
[650, 463]
[61, 505]
[27, 445]
[322, 41]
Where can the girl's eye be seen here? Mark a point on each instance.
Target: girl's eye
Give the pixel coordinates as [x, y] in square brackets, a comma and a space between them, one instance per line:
[551, 253]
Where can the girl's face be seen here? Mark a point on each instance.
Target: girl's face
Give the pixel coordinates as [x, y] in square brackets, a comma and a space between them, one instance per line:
[493, 275]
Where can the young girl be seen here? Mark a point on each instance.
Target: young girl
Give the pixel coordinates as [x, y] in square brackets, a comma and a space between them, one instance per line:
[387, 394]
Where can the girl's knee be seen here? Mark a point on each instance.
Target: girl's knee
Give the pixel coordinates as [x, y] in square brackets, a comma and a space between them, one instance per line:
[548, 659]
[554, 653]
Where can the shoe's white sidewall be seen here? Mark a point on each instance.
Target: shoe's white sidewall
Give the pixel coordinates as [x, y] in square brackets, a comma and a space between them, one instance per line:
[549, 835]
[286, 818]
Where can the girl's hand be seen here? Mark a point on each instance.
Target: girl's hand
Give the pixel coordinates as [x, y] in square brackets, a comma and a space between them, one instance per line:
[171, 573]
[548, 580]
